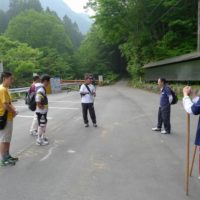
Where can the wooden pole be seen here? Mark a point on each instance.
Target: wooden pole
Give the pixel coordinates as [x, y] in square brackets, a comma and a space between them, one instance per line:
[199, 162]
[187, 156]
[193, 159]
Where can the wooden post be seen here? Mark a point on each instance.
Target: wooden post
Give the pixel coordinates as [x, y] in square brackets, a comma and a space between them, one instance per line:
[187, 156]
[193, 159]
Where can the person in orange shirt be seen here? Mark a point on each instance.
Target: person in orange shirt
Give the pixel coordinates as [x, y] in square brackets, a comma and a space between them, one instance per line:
[6, 132]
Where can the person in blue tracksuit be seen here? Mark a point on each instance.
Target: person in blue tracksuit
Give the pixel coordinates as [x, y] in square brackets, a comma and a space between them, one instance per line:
[192, 106]
[164, 107]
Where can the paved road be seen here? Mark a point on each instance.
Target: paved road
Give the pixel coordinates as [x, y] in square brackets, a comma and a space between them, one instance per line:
[122, 159]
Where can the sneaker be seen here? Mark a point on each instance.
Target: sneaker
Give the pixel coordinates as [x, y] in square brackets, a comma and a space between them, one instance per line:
[15, 159]
[41, 142]
[95, 125]
[45, 139]
[33, 133]
[156, 129]
[86, 125]
[164, 132]
[6, 163]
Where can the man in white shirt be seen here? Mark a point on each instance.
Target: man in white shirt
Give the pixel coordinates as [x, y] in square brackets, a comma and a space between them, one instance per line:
[88, 93]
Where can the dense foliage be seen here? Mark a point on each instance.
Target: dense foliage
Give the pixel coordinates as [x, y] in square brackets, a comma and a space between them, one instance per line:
[37, 41]
[147, 30]
[126, 35]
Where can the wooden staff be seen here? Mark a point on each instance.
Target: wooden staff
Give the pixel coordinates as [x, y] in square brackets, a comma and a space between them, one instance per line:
[199, 162]
[187, 156]
[193, 159]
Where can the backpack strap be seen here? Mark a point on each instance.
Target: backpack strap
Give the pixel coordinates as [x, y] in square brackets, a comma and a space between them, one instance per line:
[88, 89]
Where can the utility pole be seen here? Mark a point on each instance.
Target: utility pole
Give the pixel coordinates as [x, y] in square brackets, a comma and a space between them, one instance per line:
[198, 29]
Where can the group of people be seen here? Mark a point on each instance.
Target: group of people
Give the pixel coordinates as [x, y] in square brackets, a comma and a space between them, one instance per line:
[38, 127]
[191, 103]
[8, 112]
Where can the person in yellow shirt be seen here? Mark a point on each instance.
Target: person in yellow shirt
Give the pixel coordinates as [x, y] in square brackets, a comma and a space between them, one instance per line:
[6, 132]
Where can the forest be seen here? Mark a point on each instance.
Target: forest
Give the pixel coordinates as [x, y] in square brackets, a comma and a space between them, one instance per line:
[125, 35]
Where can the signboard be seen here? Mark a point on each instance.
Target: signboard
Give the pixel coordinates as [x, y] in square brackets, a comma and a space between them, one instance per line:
[55, 85]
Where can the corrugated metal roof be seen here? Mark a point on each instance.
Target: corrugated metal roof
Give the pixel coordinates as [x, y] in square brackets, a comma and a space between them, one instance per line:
[178, 59]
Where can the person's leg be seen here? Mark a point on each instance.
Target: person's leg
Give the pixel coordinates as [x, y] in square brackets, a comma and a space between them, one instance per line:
[166, 118]
[160, 121]
[42, 122]
[6, 135]
[34, 125]
[92, 113]
[84, 111]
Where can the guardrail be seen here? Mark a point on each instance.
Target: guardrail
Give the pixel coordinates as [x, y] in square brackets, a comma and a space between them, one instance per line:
[25, 89]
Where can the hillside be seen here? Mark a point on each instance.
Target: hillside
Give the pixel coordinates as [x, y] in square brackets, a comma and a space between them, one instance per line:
[62, 9]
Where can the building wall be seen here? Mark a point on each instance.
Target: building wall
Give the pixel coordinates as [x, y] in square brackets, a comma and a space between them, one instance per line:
[182, 71]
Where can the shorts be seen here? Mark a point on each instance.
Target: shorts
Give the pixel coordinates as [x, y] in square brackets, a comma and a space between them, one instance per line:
[42, 119]
[6, 133]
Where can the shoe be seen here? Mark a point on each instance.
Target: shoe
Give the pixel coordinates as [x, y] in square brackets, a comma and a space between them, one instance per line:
[156, 129]
[86, 125]
[33, 133]
[6, 163]
[46, 139]
[15, 159]
[41, 142]
[164, 132]
[95, 125]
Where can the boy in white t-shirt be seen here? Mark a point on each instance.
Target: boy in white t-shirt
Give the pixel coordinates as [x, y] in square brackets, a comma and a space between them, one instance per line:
[42, 110]
[88, 92]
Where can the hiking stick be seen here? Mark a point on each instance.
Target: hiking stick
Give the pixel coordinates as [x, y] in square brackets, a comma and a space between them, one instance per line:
[187, 156]
[199, 162]
[193, 158]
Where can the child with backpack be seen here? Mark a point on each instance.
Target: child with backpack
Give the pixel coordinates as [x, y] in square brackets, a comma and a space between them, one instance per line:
[30, 100]
[42, 110]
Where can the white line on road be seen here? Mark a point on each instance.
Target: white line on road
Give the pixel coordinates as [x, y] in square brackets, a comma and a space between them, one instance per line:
[71, 151]
[28, 116]
[60, 108]
[64, 102]
[48, 155]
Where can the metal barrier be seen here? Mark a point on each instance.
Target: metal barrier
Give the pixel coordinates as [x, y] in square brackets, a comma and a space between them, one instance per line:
[25, 89]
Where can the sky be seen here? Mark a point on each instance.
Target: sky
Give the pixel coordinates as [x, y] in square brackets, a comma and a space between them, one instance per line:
[77, 6]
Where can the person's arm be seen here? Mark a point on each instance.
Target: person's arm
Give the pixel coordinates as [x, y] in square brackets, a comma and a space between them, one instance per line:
[169, 94]
[10, 108]
[82, 91]
[7, 104]
[38, 98]
[187, 104]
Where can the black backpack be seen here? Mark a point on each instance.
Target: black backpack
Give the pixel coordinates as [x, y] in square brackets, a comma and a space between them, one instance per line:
[30, 99]
[174, 97]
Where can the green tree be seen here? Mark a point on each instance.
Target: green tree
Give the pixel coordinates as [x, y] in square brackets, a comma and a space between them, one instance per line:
[39, 29]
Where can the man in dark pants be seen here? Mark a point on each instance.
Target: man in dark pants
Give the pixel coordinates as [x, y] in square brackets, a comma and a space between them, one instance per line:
[87, 92]
[164, 108]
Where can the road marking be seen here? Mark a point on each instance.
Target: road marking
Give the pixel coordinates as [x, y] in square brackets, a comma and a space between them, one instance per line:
[28, 116]
[60, 108]
[71, 151]
[64, 102]
[48, 155]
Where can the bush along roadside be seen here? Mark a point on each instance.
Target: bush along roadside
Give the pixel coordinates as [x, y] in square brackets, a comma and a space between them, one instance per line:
[153, 87]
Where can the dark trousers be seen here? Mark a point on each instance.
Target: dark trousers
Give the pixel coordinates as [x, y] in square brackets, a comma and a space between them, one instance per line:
[164, 117]
[85, 108]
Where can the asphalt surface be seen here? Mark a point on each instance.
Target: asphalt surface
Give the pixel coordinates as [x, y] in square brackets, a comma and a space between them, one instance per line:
[121, 159]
